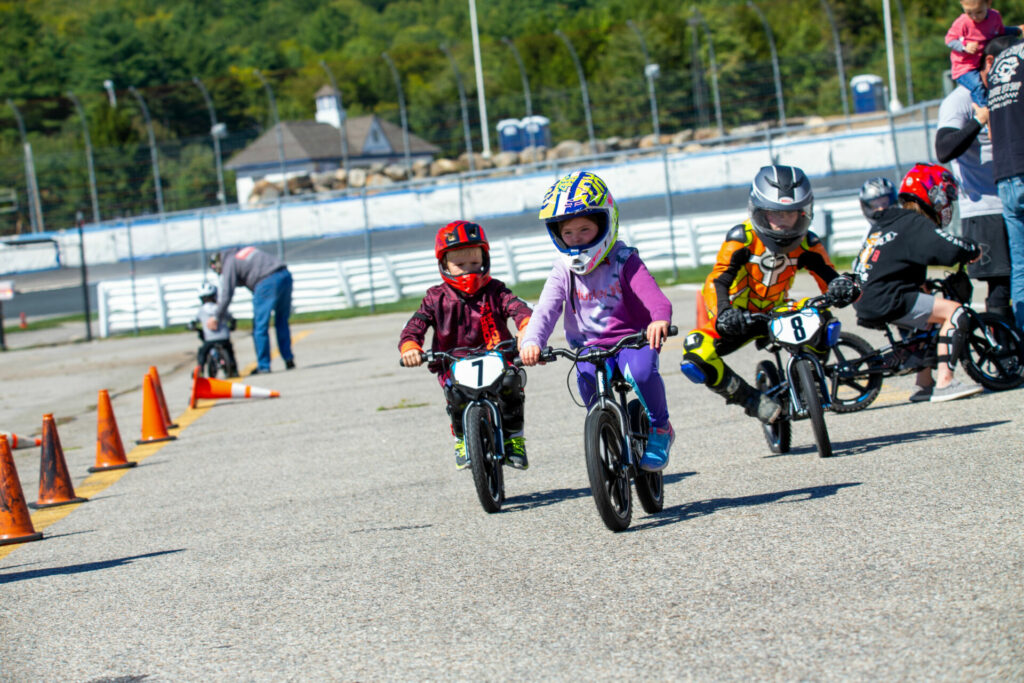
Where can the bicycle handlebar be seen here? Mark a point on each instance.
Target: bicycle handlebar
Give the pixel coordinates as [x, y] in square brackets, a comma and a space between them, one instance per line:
[820, 301]
[431, 356]
[637, 340]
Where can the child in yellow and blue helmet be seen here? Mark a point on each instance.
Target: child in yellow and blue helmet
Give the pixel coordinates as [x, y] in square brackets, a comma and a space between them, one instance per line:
[607, 293]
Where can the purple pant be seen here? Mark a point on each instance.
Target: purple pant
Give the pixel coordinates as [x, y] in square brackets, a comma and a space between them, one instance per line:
[640, 368]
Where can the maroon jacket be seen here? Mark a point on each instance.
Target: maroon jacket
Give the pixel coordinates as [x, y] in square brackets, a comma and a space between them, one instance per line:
[458, 319]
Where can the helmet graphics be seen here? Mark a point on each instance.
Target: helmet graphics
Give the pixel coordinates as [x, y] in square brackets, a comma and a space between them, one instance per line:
[463, 235]
[933, 188]
[780, 188]
[581, 194]
[876, 195]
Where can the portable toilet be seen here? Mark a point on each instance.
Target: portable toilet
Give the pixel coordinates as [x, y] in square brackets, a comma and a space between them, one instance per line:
[868, 93]
[538, 130]
[510, 135]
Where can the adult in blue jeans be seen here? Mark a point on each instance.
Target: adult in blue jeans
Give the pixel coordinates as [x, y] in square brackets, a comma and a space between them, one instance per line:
[271, 285]
[1002, 71]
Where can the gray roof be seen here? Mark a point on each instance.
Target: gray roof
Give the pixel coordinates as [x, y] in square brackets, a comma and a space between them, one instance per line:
[311, 140]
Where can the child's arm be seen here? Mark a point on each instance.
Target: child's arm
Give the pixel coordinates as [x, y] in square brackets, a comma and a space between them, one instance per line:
[545, 316]
[640, 281]
[816, 261]
[410, 342]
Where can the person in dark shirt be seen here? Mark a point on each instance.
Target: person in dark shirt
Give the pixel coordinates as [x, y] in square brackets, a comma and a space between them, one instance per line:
[893, 267]
[468, 309]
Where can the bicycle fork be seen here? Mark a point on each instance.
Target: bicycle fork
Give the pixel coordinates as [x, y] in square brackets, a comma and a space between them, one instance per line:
[605, 402]
[499, 432]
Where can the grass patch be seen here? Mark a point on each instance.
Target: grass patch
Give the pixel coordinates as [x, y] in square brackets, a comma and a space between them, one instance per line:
[404, 403]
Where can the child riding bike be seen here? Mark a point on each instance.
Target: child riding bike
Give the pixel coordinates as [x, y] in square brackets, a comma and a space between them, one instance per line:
[211, 337]
[754, 271]
[607, 294]
[468, 309]
[893, 267]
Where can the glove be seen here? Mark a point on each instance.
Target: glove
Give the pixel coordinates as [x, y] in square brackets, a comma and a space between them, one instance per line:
[973, 249]
[732, 322]
[843, 291]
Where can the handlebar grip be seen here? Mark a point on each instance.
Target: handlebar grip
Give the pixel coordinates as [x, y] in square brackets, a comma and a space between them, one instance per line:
[673, 330]
[424, 357]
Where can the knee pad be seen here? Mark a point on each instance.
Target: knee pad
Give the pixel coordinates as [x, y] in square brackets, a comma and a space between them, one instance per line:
[957, 337]
[701, 363]
[693, 372]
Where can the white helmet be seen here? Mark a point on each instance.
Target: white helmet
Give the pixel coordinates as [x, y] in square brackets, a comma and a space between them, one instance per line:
[207, 289]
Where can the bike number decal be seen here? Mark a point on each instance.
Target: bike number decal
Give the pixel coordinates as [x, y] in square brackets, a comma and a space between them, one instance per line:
[796, 328]
[478, 371]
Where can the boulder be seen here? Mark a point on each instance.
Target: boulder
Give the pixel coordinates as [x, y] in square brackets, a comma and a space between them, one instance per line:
[395, 172]
[505, 159]
[421, 168]
[532, 155]
[443, 166]
[357, 177]
[263, 191]
[378, 179]
[705, 133]
[682, 137]
[647, 141]
[566, 149]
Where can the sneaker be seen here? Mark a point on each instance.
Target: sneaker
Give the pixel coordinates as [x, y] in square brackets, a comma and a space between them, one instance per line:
[289, 364]
[659, 443]
[515, 452]
[955, 390]
[461, 459]
[258, 371]
[921, 394]
[763, 407]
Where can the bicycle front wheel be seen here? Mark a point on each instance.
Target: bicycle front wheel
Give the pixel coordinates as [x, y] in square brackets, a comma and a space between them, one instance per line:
[855, 387]
[609, 478]
[811, 397]
[994, 353]
[488, 477]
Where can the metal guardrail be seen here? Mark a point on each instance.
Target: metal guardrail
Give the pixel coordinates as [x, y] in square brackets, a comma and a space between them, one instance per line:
[170, 300]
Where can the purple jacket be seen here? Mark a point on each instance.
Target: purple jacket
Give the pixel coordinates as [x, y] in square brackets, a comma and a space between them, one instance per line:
[616, 299]
[463, 320]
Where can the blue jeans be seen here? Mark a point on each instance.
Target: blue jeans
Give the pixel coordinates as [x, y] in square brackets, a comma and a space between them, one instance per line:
[972, 81]
[1011, 192]
[273, 294]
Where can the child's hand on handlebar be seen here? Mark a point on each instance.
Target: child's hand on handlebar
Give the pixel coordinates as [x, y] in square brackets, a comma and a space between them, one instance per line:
[412, 358]
[657, 332]
[529, 354]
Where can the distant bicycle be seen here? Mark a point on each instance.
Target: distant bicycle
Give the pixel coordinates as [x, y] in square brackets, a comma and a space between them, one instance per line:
[993, 354]
[219, 360]
[615, 436]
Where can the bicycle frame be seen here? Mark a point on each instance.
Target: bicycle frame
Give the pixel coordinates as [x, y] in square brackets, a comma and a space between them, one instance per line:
[606, 400]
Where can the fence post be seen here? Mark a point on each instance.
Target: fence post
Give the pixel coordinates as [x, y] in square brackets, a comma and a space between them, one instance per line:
[927, 138]
[369, 251]
[346, 288]
[161, 305]
[694, 244]
[668, 211]
[101, 306]
[389, 268]
[513, 272]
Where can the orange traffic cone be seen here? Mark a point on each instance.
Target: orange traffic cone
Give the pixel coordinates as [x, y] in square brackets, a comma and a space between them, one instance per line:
[153, 426]
[15, 523]
[207, 387]
[109, 449]
[161, 398]
[15, 442]
[702, 310]
[54, 481]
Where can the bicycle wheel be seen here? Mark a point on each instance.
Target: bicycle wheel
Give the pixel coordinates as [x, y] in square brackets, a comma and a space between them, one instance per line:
[487, 474]
[212, 363]
[811, 396]
[609, 480]
[650, 486]
[855, 388]
[780, 434]
[994, 353]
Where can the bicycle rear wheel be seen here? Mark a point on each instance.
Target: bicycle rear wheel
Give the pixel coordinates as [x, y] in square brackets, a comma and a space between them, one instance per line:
[609, 479]
[650, 486]
[779, 434]
[811, 396]
[855, 387]
[488, 477]
[994, 353]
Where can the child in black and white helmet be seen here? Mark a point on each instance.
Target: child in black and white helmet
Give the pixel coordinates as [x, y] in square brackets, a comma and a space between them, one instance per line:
[222, 335]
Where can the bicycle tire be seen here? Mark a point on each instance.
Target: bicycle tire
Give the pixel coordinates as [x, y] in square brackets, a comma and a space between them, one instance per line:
[650, 486]
[857, 392]
[811, 396]
[996, 368]
[779, 434]
[211, 363]
[609, 481]
[488, 478]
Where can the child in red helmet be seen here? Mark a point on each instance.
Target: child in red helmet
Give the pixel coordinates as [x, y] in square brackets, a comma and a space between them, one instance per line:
[468, 309]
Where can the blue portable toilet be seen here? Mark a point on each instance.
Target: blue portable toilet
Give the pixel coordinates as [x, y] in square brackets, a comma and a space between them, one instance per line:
[510, 135]
[538, 130]
[868, 93]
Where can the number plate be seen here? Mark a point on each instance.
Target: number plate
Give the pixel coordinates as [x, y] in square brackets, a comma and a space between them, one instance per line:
[478, 371]
[797, 327]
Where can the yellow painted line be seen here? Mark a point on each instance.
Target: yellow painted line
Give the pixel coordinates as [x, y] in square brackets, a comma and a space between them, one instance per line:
[99, 481]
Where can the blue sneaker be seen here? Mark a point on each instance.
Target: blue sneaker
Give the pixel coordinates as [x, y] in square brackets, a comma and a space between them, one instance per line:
[659, 443]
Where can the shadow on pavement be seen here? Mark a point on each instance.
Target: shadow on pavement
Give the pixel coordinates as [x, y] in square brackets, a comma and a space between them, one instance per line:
[679, 513]
[79, 568]
[874, 443]
[539, 499]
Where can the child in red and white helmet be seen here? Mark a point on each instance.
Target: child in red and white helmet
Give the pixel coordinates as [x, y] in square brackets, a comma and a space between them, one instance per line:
[468, 309]
[893, 266]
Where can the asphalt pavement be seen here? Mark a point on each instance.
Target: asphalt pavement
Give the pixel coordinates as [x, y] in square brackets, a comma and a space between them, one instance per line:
[326, 535]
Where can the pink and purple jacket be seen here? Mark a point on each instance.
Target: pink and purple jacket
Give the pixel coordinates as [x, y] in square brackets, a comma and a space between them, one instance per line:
[965, 30]
[616, 299]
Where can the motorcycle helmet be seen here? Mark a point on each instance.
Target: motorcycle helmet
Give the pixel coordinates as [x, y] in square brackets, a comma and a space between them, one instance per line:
[933, 188]
[876, 195]
[462, 235]
[780, 188]
[581, 194]
[207, 290]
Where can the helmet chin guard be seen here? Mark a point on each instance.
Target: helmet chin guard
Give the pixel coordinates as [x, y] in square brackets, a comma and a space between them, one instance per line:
[463, 235]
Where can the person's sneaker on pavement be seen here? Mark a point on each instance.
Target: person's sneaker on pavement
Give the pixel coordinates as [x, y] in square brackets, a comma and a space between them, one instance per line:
[955, 390]
[289, 364]
[461, 459]
[921, 394]
[515, 452]
[763, 407]
[659, 443]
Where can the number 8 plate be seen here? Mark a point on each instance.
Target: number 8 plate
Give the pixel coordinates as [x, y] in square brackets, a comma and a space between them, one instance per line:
[796, 328]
